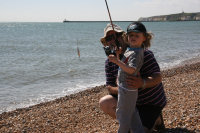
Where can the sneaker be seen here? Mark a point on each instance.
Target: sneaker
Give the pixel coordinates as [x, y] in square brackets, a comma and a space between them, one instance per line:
[159, 124]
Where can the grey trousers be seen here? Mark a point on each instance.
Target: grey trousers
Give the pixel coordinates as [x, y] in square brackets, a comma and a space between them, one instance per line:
[127, 114]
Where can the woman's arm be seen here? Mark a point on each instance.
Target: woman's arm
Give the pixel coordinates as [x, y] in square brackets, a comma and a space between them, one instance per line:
[112, 89]
[138, 82]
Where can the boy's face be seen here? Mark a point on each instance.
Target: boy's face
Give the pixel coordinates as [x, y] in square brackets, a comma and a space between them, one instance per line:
[136, 39]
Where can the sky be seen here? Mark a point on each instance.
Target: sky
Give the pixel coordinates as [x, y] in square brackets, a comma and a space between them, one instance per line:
[90, 10]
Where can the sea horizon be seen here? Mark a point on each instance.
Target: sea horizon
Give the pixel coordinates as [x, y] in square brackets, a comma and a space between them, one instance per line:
[93, 21]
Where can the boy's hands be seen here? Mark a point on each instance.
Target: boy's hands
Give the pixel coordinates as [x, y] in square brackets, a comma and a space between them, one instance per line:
[115, 59]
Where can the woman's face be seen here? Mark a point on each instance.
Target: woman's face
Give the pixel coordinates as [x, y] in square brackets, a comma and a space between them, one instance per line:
[136, 39]
[110, 38]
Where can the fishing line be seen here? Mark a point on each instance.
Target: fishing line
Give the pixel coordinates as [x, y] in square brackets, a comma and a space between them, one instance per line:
[78, 51]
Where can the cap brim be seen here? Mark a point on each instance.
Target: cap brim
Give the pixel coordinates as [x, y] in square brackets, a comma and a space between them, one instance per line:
[137, 31]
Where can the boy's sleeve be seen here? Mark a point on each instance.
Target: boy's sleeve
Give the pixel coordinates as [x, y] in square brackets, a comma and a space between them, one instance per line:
[136, 60]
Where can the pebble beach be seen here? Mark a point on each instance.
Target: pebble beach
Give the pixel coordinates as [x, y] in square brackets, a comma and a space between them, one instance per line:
[80, 112]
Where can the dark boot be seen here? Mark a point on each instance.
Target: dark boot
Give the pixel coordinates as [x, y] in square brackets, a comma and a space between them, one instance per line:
[159, 125]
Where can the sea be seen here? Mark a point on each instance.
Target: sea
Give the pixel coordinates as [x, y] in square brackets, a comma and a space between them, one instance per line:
[39, 60]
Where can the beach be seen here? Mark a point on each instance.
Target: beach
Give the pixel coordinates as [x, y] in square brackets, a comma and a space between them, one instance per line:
[80, 112]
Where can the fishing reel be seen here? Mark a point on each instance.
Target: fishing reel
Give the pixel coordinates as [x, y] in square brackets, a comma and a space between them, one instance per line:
[111, 50]
[108, 50]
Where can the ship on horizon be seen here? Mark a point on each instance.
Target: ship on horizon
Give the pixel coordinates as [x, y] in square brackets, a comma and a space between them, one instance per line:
[65, 20]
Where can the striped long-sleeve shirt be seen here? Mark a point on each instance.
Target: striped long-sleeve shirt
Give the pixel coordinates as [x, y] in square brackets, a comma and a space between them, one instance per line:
[111, 70]
[155, 95]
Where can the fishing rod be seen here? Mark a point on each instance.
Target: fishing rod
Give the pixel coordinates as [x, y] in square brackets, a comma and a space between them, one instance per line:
[109, 14]
[116, 41]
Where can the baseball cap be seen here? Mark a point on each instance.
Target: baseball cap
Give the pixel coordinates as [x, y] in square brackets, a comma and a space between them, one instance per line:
[136, 27]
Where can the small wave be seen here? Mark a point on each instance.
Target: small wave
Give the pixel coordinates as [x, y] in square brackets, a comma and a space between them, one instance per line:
[45, 97]
[179, 62]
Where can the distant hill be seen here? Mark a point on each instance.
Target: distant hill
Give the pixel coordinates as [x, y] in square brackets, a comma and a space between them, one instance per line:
[174, 17]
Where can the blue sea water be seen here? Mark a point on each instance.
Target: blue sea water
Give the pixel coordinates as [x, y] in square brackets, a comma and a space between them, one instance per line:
[39, 61]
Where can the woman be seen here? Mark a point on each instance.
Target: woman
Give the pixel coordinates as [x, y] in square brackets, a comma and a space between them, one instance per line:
[151, 97]
[111, 69]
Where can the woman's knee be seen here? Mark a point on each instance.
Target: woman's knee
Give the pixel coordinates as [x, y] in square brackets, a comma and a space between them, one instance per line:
[107, 102]
[103, 103]
[108, 105]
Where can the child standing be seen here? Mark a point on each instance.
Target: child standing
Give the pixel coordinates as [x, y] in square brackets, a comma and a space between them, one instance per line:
[130, 64]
